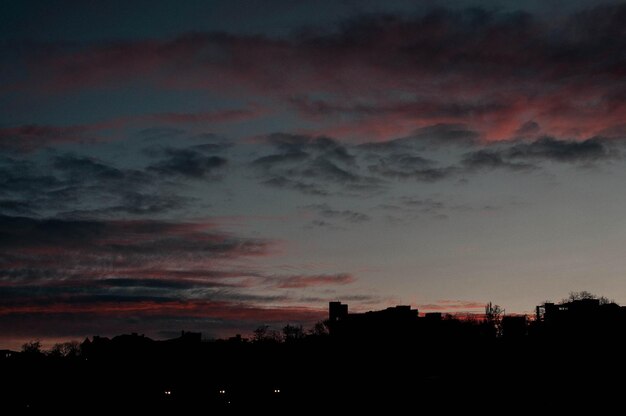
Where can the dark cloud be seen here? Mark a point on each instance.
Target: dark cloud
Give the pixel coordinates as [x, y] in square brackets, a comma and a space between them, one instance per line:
[23, 176]
[82, 176]
[80, 266]
[408, 208]
[189, 163]
[84, 186]
[443, 133]
[324, 224]
[312, 165]
[25, 187]
[428, 137]
[218, 147]
[317, 146]
[327, 170]
[528, 129]
[489, 159]
[515, 155]
[79, 167]
[345, 215]
[24, 139]
[80, 261]
[561, 150]
[405, 170]
[141, 204]
[292, 157]
[134, 203]
[16, 207]
[404, 158]
[121, 239]
[307, 167]
[28, 138]
[406, 161]
[300, 186]
[425, 109]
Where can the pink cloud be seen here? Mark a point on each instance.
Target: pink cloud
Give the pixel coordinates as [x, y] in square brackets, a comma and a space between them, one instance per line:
[85, 277]
[384, 77]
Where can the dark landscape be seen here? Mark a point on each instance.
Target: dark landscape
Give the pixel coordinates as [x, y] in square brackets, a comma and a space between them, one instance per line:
[568, 356]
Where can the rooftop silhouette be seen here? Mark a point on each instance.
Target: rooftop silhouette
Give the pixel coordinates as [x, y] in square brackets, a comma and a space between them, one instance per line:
[352, 361]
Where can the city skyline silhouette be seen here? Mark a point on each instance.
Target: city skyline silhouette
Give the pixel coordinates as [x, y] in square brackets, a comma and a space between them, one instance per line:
[153, 375]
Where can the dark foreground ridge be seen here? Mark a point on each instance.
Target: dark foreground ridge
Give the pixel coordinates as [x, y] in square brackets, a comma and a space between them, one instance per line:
[569, 356]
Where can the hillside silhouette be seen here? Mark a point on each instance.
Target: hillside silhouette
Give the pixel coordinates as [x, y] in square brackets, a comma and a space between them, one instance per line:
[569, 355]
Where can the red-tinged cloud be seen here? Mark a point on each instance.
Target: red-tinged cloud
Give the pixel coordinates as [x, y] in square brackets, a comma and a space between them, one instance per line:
[172, 309]
[60, 321]
[493, 71]
[28, 138]
[454, 306]
[158, 274]
[296, 282]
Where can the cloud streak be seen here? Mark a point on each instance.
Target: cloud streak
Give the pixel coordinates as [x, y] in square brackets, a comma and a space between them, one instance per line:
[29, 138]
[188, 163]
[151, 271]
[313, 165]
[495, 71]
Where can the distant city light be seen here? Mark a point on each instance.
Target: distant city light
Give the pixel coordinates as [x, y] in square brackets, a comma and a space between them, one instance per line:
[276, 390]
[168, 392]
[222, 391]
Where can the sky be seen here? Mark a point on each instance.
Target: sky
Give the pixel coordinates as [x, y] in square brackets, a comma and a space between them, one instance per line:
[214, 166]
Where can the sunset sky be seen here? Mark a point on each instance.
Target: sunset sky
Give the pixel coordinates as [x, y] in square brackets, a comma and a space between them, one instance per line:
[217, 165]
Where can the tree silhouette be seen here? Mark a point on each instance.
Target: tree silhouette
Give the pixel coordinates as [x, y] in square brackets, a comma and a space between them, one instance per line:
[320, 329]
[293, 333]
[260, 333]
[264, 334]
[69, 349]
[493, 318]
[32, 348]
[583, 295]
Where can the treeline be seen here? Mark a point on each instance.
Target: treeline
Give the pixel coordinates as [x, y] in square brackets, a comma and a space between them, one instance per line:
[449, 364]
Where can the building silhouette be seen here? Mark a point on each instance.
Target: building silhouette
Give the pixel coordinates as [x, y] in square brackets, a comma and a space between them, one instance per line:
[390, 324]
[587, 318]
[514, 326]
